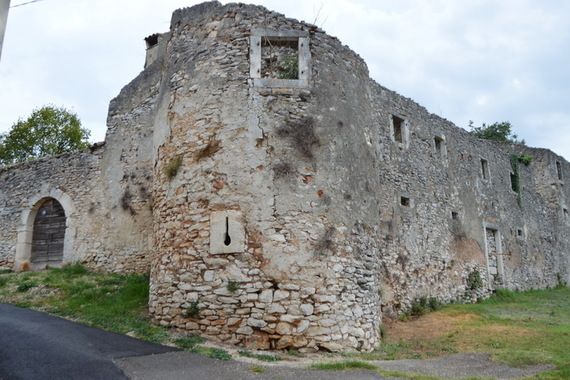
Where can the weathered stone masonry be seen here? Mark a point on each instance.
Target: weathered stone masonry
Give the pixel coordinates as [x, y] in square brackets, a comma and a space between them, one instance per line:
[281, 198]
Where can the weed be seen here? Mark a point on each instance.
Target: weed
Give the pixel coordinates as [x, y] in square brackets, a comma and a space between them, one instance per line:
[302, 133]
[193, 310]
[189, 342]
[209, 150]
[257, 369]
[212, 352]
[5, 271]
[289, 67]
[25, 286]
[171, 169]
[474, 280]
[262, 357]
[3, 281]
[423, 305]
[232, 286]
[343, 366]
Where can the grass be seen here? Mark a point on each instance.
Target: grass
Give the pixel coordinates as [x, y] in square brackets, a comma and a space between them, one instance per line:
[193, 343]
[519, 329]
[109, 301]
[347, 365]
[261, 357]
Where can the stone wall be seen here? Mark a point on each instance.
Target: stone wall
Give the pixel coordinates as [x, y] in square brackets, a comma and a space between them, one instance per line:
[292, 212]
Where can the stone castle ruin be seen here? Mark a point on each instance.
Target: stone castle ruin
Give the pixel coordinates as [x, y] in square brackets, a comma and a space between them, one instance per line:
[280, 197]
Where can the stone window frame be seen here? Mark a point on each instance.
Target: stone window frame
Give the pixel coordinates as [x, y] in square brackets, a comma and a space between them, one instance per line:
[303, 51]
[26, 227]
[442, 142]
[499, 248]
[405, 130]
[405, 201]
[484, 169]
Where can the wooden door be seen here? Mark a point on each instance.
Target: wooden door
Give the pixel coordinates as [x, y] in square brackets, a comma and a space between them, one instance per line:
[49, 233]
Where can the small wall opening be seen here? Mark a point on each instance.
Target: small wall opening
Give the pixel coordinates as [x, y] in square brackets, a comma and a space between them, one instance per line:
[398, 128]
[484, 169]
[515, 182]
[559, 170]
[565, 212]
[519, 232]
[454, 215]
[405, 201]
[280, 58]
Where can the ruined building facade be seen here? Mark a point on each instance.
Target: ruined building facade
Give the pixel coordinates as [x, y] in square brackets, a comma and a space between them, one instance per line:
[280, 197]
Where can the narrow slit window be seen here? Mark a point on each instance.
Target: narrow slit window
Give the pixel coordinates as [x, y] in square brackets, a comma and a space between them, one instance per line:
[438, 141]
[519, 232]
[515, 183]
[398, 124]
[559, 170]
[484, 169]
[565, 211]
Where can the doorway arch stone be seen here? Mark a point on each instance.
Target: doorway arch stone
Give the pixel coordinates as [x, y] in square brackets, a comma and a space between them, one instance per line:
[26, 229]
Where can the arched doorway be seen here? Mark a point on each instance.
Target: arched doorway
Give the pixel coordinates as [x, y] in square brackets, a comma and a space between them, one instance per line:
[48, 234]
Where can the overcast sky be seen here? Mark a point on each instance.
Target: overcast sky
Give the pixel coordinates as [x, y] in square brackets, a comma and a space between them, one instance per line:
[480, 60]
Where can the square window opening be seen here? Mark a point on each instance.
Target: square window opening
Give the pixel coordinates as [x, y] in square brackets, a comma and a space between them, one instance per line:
[279, 58]
[559, 170]
[484, 169]
[398, 124]
[454, 215]
[519, 232]
[405, 201]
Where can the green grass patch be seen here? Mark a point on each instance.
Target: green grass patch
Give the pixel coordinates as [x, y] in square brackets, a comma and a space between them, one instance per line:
[363, 365]
[343, 365]
[262, 357]
[112, 302]
[518, 329]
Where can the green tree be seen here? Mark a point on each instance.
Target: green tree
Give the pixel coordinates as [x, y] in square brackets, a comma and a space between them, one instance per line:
[501, 132]
[47, 131]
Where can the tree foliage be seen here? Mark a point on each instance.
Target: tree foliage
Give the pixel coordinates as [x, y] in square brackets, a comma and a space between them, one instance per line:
[47, 131]
[501, 132]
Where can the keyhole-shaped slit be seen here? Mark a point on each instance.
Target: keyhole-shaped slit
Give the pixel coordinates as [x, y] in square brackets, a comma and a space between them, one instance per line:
[227, 239]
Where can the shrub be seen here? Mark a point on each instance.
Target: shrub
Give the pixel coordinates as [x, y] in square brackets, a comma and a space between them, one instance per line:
[474, 280]
[193, 310]
[232, 286]
[289, 67]
[25, 286]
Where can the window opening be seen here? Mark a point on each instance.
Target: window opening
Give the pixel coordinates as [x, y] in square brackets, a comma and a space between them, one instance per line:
[454, 215]
[280, 58]
[484, 169]
[559, 170]
[398, 124]
[405, 201]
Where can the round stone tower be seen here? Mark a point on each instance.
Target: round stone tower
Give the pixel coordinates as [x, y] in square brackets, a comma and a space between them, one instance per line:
[262, 186]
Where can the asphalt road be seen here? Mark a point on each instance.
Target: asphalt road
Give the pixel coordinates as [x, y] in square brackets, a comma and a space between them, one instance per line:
[35, 345]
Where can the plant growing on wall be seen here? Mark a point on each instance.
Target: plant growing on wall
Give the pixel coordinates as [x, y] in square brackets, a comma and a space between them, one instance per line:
[172, 167]
[289, 67]
[47, 131]
[474, 280]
